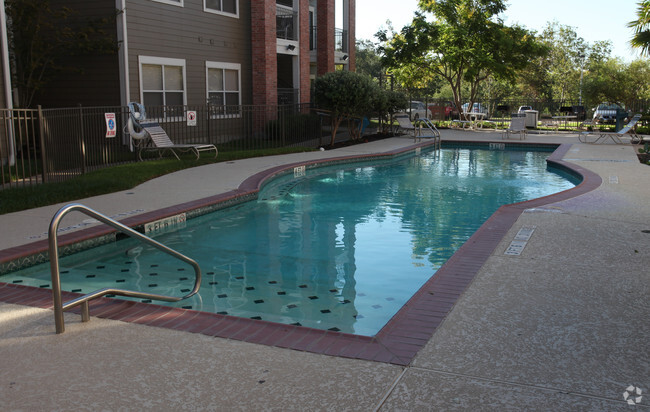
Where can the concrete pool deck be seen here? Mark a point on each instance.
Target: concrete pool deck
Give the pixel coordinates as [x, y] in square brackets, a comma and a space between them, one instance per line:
[564, 325]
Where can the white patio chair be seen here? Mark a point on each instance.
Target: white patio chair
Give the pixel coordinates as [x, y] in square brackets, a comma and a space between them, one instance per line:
[517, 125]
[161, 143]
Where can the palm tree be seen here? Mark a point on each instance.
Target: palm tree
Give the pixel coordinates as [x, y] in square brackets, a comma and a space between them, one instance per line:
[641, 26]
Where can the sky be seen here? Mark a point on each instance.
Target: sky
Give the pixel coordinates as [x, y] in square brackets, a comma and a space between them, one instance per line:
[593, 20]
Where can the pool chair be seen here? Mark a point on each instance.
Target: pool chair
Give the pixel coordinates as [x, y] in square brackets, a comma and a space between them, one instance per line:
[422, 127]
[517, 125]
[160, 142]
[584, 137]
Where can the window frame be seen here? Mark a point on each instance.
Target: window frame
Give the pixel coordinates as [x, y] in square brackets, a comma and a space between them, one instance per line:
[177, 3]
[223, 66]
[221, 12]
[163, 61]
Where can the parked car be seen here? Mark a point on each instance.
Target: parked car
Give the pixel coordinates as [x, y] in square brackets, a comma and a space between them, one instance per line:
[445, 110]
[476, 108]
[418, 110]
[606, 112]
[522, 109]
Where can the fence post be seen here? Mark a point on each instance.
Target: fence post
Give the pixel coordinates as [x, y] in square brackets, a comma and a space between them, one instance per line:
[83, 140]
[41, 130]
[207, 126]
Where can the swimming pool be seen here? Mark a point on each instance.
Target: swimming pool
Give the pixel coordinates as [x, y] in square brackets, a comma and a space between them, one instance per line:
[338, 250]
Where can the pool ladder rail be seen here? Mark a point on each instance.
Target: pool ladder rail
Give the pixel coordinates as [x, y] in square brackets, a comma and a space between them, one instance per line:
[82, 301]
[427, 126]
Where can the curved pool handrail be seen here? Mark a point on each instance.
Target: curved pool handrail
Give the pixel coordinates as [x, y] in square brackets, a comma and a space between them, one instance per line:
[59, 306]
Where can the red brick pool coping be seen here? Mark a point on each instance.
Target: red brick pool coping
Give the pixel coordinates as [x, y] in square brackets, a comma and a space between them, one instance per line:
[397, 342]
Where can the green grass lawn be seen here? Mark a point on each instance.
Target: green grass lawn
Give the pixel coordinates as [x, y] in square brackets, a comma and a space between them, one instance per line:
[116, 178]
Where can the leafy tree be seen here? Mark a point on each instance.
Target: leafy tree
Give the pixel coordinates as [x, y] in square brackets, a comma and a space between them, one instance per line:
[638, 73]
[494, 90]
[387, 103]
[566, 56]
[556, 75]
[614, 81]
[42, 37]
[641, 26]
[346, 95]
[367, 59]
[465, 45]
[604, 82]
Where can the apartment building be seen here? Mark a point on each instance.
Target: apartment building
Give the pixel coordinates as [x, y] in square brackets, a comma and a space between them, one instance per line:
[173, 52]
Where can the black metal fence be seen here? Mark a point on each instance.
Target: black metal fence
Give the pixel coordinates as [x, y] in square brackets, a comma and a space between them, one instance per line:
[502, 108]
[49, 145]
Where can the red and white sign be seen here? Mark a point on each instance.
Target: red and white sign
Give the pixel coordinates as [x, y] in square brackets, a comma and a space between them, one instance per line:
[111, 126]
[191, 118]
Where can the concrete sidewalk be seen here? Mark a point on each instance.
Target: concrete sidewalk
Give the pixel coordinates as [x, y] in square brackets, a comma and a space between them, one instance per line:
[563, 326]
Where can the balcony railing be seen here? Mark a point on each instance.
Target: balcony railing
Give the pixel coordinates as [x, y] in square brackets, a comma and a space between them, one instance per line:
[286, 27]
[341, 40]
[288, 96]
[341, 43]
[312, 37]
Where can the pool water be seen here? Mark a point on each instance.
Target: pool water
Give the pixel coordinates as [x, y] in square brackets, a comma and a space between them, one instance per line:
[337, 249]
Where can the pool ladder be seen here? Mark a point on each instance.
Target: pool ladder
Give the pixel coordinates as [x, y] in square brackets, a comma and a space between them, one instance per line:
[82, 301]
[433, 131]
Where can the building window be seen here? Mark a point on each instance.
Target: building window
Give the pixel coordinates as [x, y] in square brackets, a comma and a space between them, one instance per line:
[172, 2]
[223, 87]
[162, 81]
[225, 7]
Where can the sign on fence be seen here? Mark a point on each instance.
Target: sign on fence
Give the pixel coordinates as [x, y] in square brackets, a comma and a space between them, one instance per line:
[111, 127]
[191, 118]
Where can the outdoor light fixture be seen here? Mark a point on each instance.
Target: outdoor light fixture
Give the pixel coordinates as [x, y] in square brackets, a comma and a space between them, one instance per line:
[345, 57]
[291, 47]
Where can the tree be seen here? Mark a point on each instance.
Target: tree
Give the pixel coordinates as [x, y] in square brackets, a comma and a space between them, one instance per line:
[465, 45]
[556, 75]
[641, 26]
[387, 103]
[367, 59]
[614, 81]
[346, 95]
[42, 38]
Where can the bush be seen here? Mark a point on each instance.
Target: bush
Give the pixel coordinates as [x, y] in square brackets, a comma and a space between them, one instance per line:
[390, 102]
[346, 95]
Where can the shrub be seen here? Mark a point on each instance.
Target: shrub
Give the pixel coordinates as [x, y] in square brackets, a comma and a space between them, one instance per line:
[346, 95]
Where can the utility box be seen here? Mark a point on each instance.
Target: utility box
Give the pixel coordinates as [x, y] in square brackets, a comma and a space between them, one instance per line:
[621, 114]
[532, 116]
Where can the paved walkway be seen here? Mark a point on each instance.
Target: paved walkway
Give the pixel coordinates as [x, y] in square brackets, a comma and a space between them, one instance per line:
[563, 326]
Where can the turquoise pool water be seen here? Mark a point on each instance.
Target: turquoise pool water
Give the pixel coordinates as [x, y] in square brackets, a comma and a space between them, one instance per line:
[339, 249]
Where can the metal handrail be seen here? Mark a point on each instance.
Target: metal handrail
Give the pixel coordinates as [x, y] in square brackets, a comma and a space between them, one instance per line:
[59, 306]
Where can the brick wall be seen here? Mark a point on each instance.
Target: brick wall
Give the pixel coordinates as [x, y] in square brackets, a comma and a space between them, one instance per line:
[352, 36]
[325, 36]
[263, 36]
[305, 87]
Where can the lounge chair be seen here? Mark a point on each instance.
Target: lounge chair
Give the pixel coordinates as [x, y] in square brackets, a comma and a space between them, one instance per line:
[615, 136]
[161, 143]
[422, 127]
[517, 125]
